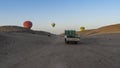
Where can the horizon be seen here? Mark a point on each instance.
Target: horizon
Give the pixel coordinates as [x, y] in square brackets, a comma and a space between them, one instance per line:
[67, 14]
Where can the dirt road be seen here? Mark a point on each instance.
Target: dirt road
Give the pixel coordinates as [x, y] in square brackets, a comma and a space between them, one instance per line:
[39, 51]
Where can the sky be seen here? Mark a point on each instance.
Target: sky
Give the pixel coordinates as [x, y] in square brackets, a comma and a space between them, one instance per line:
[67, 14]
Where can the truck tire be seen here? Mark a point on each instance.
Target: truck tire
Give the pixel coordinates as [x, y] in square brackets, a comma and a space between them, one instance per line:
[76, 42]
[67, 42]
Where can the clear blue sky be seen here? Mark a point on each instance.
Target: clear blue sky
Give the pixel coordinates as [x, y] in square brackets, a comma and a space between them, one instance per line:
[67, 14]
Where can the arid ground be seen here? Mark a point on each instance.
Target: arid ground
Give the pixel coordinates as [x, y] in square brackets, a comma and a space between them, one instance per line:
[97, 49]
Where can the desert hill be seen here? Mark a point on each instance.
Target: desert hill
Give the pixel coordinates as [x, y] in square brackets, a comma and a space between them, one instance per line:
[18, 29]
[13, 29]
[103, 30]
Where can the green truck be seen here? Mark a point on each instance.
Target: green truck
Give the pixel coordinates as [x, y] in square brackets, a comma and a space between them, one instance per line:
[71, 37]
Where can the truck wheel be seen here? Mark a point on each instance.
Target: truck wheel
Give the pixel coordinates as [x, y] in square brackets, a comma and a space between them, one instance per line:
[66, 41]
[76, 42]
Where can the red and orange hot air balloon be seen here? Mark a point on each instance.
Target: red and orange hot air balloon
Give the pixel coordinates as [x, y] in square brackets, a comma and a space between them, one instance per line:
[27, 24]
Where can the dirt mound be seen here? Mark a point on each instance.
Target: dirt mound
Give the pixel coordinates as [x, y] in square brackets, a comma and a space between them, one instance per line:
[14, 29]
[103, 30]
[18, 29]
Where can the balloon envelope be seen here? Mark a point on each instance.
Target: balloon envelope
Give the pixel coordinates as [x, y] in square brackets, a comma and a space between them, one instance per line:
[53, 24]
[82, 28]
[27, 24]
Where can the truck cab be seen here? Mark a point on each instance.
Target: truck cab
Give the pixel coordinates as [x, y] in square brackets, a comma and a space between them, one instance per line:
[71, 37]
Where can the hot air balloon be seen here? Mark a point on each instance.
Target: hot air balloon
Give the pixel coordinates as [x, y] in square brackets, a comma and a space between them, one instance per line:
[27, 24]
[82, 28]
[53, 24]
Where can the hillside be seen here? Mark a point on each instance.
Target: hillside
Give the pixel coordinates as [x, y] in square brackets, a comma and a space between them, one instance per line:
[103, 30]
[18, 29]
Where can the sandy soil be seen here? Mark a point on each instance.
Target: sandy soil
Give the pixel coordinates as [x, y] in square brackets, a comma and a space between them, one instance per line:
[24, 50]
